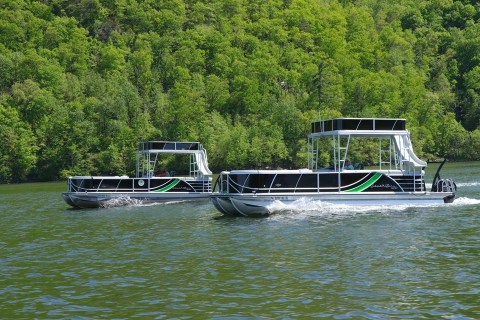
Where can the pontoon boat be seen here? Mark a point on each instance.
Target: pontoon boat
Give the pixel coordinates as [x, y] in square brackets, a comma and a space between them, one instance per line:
[397, 178]
[148, 185]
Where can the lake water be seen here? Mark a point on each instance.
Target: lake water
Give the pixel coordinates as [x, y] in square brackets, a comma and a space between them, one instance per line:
[186, 261]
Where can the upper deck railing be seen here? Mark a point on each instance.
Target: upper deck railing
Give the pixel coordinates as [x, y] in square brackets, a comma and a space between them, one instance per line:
[148, 153]
[364, 125]
[169, 146]
[398, 154]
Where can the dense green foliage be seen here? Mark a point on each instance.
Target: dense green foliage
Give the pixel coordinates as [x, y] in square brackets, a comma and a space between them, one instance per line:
[82, 82]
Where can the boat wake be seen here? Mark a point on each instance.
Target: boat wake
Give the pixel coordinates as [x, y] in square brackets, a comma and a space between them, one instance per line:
[468, 184]
[464, 201]
[306, 207]
[121, 202]
[126, 201]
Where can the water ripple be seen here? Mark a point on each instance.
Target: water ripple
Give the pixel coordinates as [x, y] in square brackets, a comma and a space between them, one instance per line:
[180, 261]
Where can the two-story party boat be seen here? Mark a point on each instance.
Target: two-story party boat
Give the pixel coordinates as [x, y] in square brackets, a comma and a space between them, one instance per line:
[151, 184]
[397, 178]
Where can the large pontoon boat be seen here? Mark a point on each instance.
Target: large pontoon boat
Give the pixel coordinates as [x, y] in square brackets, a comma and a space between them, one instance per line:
[397, 178]
[150, 184]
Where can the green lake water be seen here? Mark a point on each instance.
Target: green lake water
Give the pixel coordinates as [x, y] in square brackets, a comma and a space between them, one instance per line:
[186, 261]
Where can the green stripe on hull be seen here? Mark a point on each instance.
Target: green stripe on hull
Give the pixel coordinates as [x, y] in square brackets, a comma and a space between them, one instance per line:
[169, 186]
[366, 184]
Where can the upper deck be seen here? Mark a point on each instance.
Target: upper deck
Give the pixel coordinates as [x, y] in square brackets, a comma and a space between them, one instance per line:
[170, 147]
[397, 153]
[148, 152]
[359, 127]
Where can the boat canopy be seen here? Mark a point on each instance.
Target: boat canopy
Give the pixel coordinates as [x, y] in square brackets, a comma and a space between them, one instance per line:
[170, 147]
[359, 126]
[400, 156]
[148, 151]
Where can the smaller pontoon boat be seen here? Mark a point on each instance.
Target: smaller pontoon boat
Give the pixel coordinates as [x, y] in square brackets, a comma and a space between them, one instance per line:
[150, 184]
[397, 178]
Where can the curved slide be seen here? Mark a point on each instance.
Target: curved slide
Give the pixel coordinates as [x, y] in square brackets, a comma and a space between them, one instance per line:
[404, 146]
[202, 164]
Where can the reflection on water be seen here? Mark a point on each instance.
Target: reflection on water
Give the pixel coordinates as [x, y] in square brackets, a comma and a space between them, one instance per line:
[185, 261]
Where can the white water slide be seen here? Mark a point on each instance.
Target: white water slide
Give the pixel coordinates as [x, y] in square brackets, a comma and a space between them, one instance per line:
[201, 159]
[404, 146]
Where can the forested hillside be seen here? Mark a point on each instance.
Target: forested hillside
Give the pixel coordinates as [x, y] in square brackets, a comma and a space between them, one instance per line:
[83, 81]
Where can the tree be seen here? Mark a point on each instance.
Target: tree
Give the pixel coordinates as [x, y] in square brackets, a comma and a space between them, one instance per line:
[18, 147]
[266, 145]
[472, 107]
[89, 77]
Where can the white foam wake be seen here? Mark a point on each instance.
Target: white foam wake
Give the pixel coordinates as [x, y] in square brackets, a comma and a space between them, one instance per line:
[468, 184]
[121, 201]
[308, 207]
[126, 201]
[464, 201]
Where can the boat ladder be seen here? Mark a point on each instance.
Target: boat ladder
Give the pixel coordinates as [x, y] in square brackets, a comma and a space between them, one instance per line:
[193, 166]
[445, 185]
[313, 153]
[385, 154]
[340, 152]
[151, 164]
